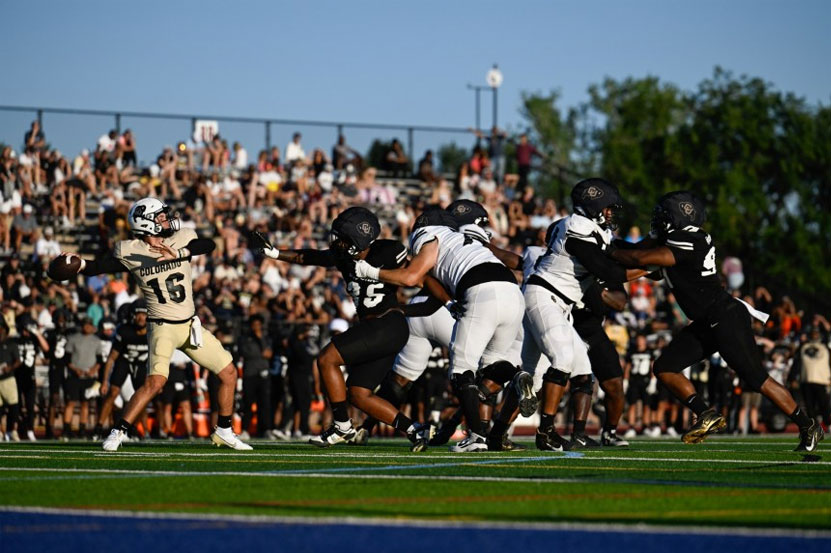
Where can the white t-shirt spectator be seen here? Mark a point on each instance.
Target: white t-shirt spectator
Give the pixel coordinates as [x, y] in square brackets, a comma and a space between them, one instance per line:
[241, 159]
[46, 248]
[105, 143]
[294, 151]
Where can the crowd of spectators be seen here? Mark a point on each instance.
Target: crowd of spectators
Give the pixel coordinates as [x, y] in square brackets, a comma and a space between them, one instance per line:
[274, 316]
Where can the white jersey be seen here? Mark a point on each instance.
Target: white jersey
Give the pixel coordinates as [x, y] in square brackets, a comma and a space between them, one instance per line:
[529, 260]
[562, 270]
[457, 253]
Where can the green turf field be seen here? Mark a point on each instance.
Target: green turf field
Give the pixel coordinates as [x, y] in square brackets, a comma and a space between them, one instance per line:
[725, 481]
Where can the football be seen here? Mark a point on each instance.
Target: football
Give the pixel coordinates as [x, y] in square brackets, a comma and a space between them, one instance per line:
[64, 267]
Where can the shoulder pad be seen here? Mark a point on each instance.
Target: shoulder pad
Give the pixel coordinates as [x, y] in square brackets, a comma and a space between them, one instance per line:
[476, 232]
[583, 228]
[389, 253]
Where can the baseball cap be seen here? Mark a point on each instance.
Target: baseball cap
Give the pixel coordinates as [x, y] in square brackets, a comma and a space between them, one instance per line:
[27, 208]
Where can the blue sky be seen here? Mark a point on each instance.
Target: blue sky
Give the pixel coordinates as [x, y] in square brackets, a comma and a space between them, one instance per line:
[376, 62]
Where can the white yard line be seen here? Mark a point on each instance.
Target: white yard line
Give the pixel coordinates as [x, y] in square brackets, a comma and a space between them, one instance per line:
[439, 524]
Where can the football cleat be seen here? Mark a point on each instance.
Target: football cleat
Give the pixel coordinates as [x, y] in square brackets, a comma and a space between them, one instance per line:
[361, 437]
[709, 422]
[582, 441]
[810, 438]
[471, 444]
[420, 436]
[611, 439]
[550, 440]
[226, 437]
[631, 433]
[447, 429]
[333, 436]
[114, 440]
[30, 435]
[524, 385]
[503, 443]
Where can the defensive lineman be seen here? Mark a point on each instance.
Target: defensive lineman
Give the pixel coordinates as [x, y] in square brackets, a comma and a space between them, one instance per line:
[159, 259]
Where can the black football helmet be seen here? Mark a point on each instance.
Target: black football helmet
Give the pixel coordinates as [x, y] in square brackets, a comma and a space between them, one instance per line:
[591, 196]
[468, 212]
[354, 230]
[679, 210]
[435, 216]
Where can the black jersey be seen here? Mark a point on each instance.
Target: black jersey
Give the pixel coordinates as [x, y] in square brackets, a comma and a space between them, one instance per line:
[694, 278]
[56, 338]
[641, 362]
[131, 346]
[589, 318]
[372, 297]
[27, 350]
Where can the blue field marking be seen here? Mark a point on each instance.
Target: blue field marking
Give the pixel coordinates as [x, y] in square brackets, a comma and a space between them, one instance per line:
[66, 533]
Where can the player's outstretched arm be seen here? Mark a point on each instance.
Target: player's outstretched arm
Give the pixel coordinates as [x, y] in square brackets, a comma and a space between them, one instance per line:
[321, 258]
[598, 264]
[104, 265]
[411, 275]
[661, 256]
[509, 259]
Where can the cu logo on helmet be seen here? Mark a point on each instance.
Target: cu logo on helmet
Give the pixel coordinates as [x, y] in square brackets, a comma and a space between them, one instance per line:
[687, 209]
[365, 228]
[462, 209]
[592, 193]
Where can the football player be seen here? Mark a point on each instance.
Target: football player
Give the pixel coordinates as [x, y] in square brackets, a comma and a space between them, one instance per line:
[129, 356]
[572, 264]
[159, 259]
[56, 338]
[686, 257]
[368, 349]
[493, 312]
[30, 344]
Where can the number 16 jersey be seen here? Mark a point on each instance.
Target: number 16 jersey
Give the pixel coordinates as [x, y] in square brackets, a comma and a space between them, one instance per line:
[166, 285]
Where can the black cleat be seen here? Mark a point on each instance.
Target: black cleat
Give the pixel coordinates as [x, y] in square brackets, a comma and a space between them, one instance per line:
[508, 445]
[582, 441]
[524, 386]
[611, 439]
[551, 441]
[810, 438]
[447, 429]
[421, 436]
[503, 443]
[708, 423]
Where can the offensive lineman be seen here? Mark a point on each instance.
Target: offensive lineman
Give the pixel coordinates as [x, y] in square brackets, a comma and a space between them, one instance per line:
[368, 348]
[686, 257]
[159, 258]
[493, 312]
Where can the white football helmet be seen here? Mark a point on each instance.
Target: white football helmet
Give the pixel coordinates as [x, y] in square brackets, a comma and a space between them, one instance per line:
[143, 214]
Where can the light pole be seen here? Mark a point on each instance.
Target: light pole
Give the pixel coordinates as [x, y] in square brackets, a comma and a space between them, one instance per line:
[494, 80]
[478, 90]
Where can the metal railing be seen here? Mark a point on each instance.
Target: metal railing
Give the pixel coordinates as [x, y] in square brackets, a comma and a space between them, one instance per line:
[267, 123]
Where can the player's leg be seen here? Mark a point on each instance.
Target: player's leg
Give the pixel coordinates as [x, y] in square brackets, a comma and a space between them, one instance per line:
[688, 346]
[734, 338]
[605, 364]
[581, 386]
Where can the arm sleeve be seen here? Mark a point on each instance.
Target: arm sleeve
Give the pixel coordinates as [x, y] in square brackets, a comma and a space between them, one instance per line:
[423, 308]
[201, 246]
[321, 258]
[106, 264]
[593, 259]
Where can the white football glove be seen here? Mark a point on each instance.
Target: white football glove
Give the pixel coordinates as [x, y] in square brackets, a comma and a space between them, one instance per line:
[272, 252]
[653, 386]
[365, 270]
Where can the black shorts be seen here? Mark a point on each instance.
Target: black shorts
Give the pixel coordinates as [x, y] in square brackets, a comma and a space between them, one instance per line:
[119, 374]
[603, 356]
[175, 392]
[637, 390]
[74, 387]
[57, 375]
[369, 348]
[725, 329]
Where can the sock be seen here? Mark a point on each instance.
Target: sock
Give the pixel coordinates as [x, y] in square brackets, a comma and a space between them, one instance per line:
[579, 428]
[609, 428]
[802, 420]
[369, 424]
[402, 423]
[484, 424]
[695, 403]
[499, 428]
[469, 399]
[340, 412]
[223, 421]
[546, 422]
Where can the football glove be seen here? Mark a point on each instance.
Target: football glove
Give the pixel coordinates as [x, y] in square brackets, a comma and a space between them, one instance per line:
[456, 308]
[267, 249]
[365, 270]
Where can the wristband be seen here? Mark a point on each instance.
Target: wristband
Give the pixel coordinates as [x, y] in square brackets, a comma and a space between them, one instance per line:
[373, 272]
[183, 253]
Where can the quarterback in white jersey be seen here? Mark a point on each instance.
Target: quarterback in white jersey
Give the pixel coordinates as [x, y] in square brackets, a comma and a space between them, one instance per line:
[159, 259]
[491, 297]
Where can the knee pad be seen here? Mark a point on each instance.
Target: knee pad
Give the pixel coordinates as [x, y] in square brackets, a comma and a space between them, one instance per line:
[582, 384]
[555, 376]
[462, 381]
[391, 390]
[500, 372]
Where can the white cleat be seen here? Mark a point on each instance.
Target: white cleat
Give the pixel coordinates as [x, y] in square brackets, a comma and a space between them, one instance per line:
[471, 444]
[113, 441]
[226, 437]
[333, 436]
[30, 435]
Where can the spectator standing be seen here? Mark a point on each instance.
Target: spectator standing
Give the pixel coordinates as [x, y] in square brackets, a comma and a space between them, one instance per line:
[256, 355]
[525, 153]
[813, 364]
[127, 149]
[343, 154]
[82, 348]
[732, 270]
[9, 362]
[294, 150]
[34, 138]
